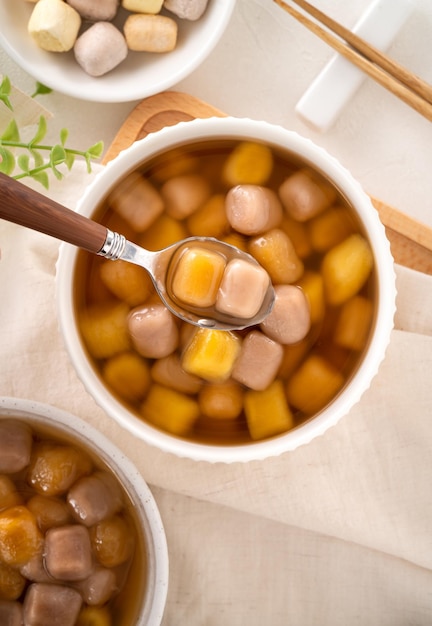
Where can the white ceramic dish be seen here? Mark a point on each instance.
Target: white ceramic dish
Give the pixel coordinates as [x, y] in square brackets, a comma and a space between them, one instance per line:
[278, 137]
[74, 429]
[139, 76]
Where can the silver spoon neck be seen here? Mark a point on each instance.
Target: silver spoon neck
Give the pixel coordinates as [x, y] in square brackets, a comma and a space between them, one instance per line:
[113, 247]
[117, 247]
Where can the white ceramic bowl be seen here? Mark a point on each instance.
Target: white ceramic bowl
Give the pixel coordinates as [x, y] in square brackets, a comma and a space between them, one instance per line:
[197, 130]
[139, 76]
[71, 428]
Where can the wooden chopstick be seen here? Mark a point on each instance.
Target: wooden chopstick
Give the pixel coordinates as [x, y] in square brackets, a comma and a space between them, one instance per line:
[388, 73]
[415, 83]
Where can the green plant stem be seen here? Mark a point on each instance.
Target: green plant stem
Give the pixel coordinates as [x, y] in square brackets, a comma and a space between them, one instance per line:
[33, 171]
[30, 146]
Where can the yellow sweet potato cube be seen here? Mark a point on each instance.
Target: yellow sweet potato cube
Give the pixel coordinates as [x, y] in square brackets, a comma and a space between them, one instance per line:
[176, 163]
[354, 323]
[313, 385]
[169, 409]
[54, 468]
[267, 412]
[237, 240]
[94, 616]
[345, 269]
[293, 355]
[112, 541]
[211, 354]
[104, 329]
[20, 537]
[223, 401]
[249, 163]
[313, 288]
[329, 228]
[275, 252]
[298, 234]
[11, 583]
[128, 375]
[197, 277]
[126, 281]
[162, 233]
[210, 220]
[9, 495]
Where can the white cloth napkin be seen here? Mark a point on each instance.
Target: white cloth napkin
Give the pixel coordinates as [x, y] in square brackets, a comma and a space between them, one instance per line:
[336, 532]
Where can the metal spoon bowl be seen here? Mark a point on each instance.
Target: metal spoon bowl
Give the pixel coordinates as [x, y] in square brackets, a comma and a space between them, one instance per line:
[26, 207]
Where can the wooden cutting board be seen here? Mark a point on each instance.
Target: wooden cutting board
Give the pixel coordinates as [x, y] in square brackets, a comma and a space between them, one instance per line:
[410, 241]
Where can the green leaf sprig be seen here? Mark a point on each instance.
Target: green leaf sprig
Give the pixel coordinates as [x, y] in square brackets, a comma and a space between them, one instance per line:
[5, 89]
[34, 158]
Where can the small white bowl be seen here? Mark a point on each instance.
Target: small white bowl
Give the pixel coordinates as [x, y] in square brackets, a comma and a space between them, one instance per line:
[71, 428]
[140, 75]
[278, 138]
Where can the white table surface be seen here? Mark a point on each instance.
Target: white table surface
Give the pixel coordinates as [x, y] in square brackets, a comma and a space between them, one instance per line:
[260, 69]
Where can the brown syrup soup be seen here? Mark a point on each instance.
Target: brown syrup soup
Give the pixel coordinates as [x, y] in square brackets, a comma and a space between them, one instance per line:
[124, 605]
[210, 157]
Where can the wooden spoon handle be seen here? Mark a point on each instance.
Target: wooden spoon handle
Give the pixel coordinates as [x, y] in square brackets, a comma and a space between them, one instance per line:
[24, 206]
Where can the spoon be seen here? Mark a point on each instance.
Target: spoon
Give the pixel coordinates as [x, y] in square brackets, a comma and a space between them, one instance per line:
[24, 206]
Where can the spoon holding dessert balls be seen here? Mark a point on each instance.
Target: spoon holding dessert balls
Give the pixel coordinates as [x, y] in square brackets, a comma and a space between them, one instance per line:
[201, 280]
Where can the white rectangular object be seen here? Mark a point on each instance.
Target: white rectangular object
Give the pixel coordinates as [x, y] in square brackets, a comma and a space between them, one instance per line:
[322, 103]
